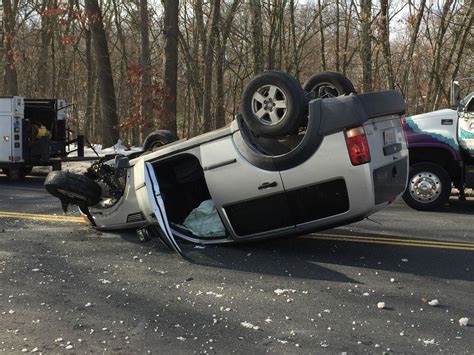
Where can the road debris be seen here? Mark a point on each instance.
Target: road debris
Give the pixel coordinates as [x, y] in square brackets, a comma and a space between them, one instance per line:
[381, 305]
[464, 321]
[433, 303]
[249, 325]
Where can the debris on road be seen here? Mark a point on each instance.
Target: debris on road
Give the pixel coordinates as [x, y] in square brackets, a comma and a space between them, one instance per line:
[433, 303]
[464, 321]
[249, 325]
[381, 305]
[280, 291]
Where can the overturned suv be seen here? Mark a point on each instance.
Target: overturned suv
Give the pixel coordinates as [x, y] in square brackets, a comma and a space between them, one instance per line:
[294, 160]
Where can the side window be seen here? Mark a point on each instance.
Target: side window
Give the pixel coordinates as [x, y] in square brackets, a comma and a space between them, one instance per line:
[260, 215]
[314, 202]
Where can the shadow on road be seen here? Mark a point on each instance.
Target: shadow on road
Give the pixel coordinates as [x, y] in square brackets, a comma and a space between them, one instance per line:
[312, 259]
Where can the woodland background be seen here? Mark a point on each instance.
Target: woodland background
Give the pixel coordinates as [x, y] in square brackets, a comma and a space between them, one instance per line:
[132, 66]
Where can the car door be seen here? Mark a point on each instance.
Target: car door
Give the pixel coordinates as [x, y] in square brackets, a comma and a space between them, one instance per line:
[251, 201]
[316, 189]
[151, 202]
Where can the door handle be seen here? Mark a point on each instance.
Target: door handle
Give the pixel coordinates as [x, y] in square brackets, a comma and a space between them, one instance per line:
[268, 185]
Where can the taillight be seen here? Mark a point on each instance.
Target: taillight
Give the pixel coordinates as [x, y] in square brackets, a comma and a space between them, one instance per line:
[357, 146]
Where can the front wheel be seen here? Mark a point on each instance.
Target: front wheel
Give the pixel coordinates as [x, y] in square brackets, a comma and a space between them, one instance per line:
[429, 186]
[73, 188]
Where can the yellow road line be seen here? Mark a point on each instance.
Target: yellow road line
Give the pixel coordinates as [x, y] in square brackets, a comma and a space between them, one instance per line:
[394, 241]
[398, 239]
[41, 217]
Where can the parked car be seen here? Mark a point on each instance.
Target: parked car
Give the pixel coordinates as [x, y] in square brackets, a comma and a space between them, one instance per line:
[441, 146]
[284, 166]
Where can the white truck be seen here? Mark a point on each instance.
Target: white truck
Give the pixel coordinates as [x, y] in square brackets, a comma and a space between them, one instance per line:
[20, 148]
[441, 146]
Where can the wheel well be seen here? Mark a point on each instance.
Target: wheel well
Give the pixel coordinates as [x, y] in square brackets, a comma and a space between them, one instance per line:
[439, 156]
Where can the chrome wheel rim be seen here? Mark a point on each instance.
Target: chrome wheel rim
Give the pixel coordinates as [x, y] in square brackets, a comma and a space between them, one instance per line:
[269, 105]
[425, 187]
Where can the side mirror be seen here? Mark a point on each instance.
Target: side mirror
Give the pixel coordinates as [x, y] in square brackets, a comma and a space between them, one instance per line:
[455, 98]
[121, 162]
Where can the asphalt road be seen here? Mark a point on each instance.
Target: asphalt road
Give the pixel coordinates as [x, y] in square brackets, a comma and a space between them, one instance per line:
[67, 288]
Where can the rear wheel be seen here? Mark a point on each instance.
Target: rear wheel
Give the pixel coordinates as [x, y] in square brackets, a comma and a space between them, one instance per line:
[73, 188]
[328, 84]
[158, 138]
[429, 186]
[273, 104]
[17, 173]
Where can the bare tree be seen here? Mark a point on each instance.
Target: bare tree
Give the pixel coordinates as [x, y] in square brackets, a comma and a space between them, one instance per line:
[146, 104]
[9, 42]
[170, 75]
[110, 132]
[257, 35]
[366, 44]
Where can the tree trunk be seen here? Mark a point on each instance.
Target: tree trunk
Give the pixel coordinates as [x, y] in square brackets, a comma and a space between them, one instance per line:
[411, 47]
[146, 97]
[9, 41]
[110, 132]
[321, 37]
[89, 115]
[257, 35]
[337, 39]
[366, 44]
[220, 59]
[209, 60]
[385, 38]
[170, 75]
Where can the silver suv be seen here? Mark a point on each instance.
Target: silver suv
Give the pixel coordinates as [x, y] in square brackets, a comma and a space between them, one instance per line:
[343, 159]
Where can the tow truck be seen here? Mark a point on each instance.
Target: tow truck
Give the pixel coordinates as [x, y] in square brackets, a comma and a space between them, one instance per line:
[441, 148]
[20, 148]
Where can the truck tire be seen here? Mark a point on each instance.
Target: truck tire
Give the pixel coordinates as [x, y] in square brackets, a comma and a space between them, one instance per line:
[273, 104]
[429, 186]
[17, 173]
[328, 84]
[158, 138]
[73, 188]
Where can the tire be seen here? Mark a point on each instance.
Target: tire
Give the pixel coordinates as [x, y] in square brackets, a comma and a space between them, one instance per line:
[328, 84]
[273, 104]
[429, 186]
[158, 138]
[73, 188]
[14, 174]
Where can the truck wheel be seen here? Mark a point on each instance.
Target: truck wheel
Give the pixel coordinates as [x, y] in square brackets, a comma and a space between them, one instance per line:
[73, 188]
[328, 84]
[429, 186]
[158, 138]
[273, 104]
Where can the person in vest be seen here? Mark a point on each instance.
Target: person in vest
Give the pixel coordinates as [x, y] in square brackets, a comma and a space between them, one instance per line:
[43, 137]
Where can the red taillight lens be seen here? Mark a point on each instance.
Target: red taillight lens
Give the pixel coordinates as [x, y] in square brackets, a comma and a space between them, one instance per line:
[357, 146]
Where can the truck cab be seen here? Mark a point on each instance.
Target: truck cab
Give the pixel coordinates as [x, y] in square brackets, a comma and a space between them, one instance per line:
[441, 147]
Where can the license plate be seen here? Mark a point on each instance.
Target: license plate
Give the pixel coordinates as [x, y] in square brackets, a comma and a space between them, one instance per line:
[389, 137]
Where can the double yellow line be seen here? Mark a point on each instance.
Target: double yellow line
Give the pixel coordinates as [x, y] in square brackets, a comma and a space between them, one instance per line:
[42, 217]
[394, 240]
